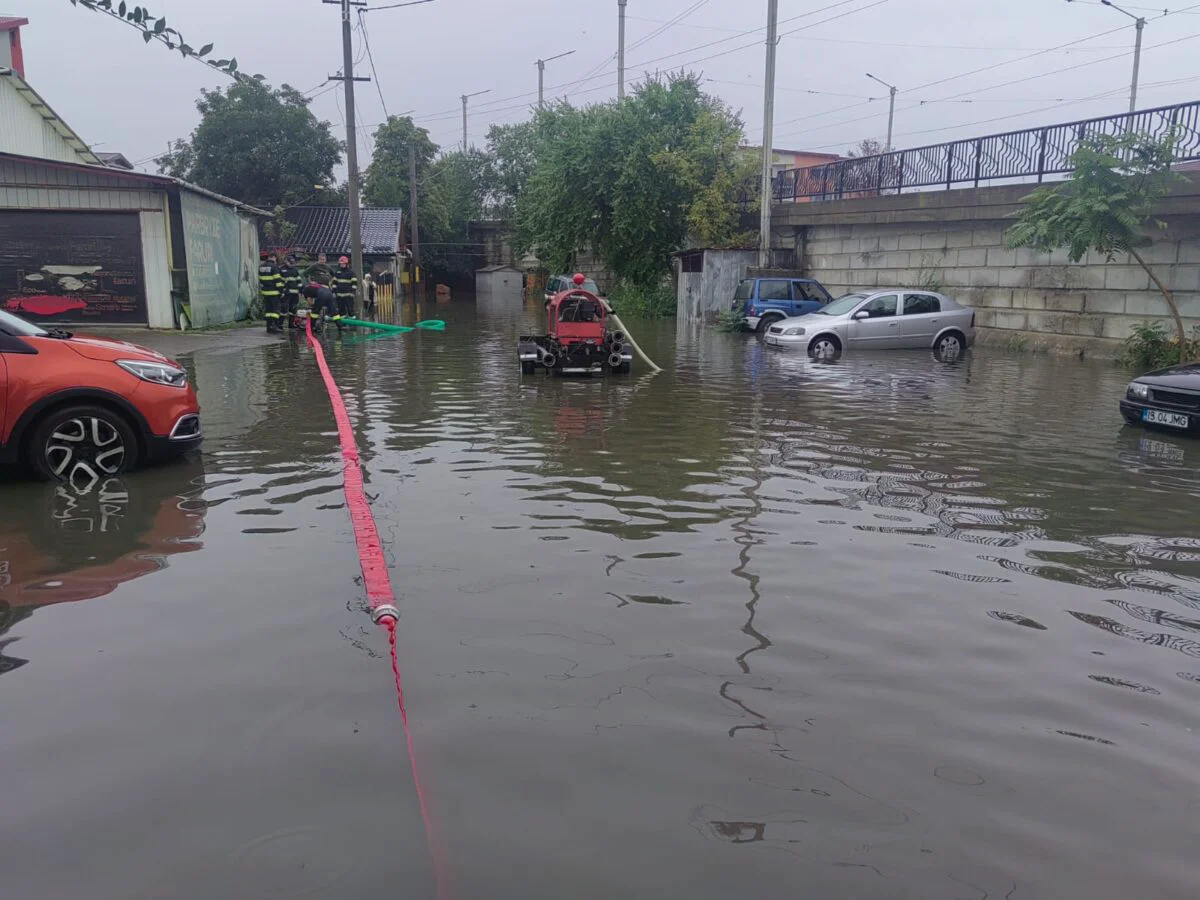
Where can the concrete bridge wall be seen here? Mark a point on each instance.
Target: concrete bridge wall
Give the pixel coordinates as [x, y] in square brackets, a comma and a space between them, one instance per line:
[953, 241]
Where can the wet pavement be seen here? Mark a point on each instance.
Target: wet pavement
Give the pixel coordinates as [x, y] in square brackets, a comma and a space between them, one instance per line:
[879, 628]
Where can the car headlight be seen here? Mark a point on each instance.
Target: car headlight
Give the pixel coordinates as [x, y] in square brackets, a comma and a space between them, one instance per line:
[793, 331]
[1138, 391]
[158, 373]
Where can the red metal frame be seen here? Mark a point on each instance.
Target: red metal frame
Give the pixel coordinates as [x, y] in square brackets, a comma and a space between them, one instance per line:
[576, 332]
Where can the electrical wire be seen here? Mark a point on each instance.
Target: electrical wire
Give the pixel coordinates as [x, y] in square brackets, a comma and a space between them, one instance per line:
[362, 23]
[668, 25]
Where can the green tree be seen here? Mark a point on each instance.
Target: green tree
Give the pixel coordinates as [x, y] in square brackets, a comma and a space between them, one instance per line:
[453, 192]
[512, 156]
[256, 144]
[385, 181]
[1106, 205]
[633, 180]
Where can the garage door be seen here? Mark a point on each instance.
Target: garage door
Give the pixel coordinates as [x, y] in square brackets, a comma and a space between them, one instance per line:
[72, 266]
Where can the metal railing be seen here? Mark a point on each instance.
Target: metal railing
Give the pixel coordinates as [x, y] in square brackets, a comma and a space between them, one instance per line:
[1032, 153]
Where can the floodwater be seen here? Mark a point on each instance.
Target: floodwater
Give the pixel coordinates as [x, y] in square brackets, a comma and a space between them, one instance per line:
[882, 628]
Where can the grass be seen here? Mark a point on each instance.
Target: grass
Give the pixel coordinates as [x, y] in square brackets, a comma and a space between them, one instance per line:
[1151, 348]
[643, 303]
[728, 320]
[1016, 344]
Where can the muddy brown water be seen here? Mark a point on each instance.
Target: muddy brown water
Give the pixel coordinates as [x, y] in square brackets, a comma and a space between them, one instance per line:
[883, 628]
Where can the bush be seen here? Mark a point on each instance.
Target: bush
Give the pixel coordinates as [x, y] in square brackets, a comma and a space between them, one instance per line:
[728, 320]
[1150, 348]
[644, 303]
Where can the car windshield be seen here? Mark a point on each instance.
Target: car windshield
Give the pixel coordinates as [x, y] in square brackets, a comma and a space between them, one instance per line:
[18, 326]
[841, 305]
[565, 283]
[744, 290]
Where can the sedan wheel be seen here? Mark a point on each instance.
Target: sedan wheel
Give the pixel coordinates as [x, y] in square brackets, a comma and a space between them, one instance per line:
[824, 348]
[82, 446]
[949, 346]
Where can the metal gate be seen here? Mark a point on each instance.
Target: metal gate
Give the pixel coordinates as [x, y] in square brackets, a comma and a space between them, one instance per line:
[72, 266]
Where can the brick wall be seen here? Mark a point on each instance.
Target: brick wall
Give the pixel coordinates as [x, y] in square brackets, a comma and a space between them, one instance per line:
[956, 244]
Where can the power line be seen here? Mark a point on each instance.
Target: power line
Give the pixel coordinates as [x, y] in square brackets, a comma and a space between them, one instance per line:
[362, 23]
[484, 107]
[666, 26]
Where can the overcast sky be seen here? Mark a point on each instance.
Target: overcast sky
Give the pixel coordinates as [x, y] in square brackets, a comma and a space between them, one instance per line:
[123, 96]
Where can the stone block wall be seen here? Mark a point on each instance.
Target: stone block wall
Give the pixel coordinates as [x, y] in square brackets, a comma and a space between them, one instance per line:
[955, 244]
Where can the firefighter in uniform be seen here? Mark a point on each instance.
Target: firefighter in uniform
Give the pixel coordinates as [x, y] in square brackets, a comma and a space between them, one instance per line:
[270, 286]
[292, 282]
[345, 287]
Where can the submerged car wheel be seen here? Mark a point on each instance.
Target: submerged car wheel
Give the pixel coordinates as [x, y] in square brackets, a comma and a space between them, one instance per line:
[950, 346]
[82, 445]
[766, 322]
[825, 347]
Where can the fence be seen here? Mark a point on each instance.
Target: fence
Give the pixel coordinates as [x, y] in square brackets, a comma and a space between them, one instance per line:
[1032, 153]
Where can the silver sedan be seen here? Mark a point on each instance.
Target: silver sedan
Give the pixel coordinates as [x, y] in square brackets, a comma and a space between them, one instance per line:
[892, 319]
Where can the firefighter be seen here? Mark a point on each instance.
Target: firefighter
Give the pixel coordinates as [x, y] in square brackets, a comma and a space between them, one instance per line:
[345, 287]
[323, 301]
[292, 282]
[319, 272]
[270, 286]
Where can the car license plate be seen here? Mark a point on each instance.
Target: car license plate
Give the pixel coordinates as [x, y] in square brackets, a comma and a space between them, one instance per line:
[772, 341]
[1157, 417]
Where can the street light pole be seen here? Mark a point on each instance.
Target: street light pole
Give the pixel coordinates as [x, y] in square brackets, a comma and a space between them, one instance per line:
[768, 151]
[541, 64]
[891, 107]
[1137, 59]
[621, 48]
[1140, 24]
[465, 98]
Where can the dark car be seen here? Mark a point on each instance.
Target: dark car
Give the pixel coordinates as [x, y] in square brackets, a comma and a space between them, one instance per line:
[764, 301]
[1167, 399]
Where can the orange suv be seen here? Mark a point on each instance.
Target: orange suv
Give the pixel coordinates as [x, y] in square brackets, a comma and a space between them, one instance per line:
[81, 409]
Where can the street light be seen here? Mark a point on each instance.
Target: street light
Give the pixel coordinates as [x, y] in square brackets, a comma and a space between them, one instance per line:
[1140, 23]
[891, 106]
[541, 64]
[465, 98]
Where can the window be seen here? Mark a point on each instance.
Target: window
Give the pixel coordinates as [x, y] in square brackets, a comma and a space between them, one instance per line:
[842, 305]
[692, 262]
[882, 307]
[803, 290]
[921, 304]
[745, 290]
[772, 290]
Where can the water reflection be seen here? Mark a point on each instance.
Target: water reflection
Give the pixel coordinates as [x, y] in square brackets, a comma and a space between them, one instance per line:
[61, 544]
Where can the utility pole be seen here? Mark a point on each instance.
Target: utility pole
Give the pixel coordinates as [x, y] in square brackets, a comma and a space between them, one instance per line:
[414, 228]
[621, 49]
[465, 98]
[891, 107]
[348, 79]
[768, 194]
[1137, 59]
[1140, 24]
[541, 64]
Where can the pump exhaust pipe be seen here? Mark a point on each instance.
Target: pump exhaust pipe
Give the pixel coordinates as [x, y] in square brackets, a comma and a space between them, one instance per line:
[617, 337]
[614, 360]
[616, 347]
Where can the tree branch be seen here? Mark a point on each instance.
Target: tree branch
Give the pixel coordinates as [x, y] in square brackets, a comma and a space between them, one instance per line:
[1170, 298]
[154, 28]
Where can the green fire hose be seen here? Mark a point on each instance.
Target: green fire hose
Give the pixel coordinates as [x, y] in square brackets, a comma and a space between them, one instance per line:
[427, 325]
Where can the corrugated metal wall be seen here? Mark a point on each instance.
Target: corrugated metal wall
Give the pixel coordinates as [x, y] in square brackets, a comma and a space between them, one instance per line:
[156, 263]
[25, 132]
[33, 186]
[702, 294]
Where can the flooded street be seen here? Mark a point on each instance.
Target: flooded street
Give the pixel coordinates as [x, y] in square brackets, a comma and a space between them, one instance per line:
[878, 628]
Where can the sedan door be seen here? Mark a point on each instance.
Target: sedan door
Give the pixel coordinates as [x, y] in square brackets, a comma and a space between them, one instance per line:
[921, 319]
[880, 328]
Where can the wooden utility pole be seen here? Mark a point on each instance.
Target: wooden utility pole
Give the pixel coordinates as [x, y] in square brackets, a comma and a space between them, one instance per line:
[621, 49]
[347, 78]
[768, 157]
[413, 227]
